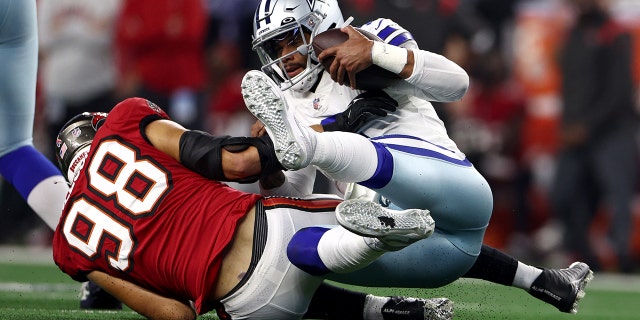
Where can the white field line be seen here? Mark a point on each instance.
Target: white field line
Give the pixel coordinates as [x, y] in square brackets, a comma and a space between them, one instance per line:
[21, 287]
[26, 255]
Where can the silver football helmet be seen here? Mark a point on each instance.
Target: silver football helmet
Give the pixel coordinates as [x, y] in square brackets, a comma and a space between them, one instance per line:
[279, 20]
[74, 140]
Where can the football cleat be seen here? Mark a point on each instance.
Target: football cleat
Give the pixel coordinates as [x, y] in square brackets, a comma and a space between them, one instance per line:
[94, 297]
[403, 308]
[563, 288]
[294, 144]
[395, 229]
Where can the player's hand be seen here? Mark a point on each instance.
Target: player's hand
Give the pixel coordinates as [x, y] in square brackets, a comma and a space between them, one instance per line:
[362, 109]
[351, 57]
[273, 180]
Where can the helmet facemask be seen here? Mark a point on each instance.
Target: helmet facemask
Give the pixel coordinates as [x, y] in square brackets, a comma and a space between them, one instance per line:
[273, 64]
[297, 21]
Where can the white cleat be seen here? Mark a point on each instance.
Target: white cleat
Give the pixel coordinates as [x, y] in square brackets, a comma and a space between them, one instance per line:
[395, 229]
[417, 308]
[294, 145]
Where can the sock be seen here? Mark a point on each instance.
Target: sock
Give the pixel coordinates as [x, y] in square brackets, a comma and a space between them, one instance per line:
[47, 199]
[321, 250]
[302, 250]
[323, 304]
[343, 251]
[37, 180]
[525, 276]
[345, 156]
[494, 266]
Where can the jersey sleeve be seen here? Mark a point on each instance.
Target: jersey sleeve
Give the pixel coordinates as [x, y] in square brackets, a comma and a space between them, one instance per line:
[134, 114]
[434, 77]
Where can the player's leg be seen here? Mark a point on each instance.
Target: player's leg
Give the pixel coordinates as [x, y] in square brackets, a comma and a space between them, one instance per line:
[37, 180]
[297, 147]
[333, 303]
[562, 288]
[349, 157]
[368, 231]
[286, 215]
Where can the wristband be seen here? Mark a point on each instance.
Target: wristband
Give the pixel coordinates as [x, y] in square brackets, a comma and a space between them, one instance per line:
[389, 56]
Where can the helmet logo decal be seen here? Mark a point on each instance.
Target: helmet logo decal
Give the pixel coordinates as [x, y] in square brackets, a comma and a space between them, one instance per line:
[153, 106]
[76, 132]
[77, 161]
[287, 20]
[63, 150]
[98, 119]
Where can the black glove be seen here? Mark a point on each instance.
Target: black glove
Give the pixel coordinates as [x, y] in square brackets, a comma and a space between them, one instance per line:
[365, 107]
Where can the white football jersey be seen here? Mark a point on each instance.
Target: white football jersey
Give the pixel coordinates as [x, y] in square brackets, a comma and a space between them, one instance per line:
[434, 78]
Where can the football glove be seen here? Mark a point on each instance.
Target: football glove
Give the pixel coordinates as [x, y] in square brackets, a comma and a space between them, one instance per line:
[363, 108]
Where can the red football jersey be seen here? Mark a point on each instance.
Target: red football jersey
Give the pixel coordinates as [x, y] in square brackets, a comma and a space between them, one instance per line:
[139, 215]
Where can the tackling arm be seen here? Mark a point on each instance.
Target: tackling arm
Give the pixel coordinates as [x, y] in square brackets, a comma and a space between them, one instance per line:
[219, 158]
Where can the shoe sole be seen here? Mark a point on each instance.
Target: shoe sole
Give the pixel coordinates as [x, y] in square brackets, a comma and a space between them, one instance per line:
[264, 100]
[438, 309]
[584, 281]
[370, 219]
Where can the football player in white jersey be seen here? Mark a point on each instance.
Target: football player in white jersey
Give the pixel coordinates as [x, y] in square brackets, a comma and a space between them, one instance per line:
[36, 178]
[408, 157]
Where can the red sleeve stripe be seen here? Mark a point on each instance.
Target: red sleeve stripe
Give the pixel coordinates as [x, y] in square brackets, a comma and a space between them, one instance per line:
[312, 205]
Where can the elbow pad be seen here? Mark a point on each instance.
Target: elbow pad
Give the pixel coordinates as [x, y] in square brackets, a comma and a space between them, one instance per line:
[202, 152]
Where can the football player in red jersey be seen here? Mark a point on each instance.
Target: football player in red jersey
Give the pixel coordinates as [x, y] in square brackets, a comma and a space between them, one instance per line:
[146, 220]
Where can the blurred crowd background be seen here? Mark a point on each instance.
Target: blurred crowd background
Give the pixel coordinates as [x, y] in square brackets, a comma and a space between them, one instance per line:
[549, 119]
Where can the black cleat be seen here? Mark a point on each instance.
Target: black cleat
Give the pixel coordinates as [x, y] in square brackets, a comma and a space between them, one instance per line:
[563, 288]
[403, 308]
[94, 297]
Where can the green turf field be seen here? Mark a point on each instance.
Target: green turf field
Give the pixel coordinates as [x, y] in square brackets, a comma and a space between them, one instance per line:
[31, 287]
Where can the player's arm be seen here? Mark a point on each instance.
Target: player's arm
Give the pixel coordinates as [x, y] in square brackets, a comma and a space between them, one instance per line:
[427, 75]
[359, 52]
[218, 158]
[142, 301]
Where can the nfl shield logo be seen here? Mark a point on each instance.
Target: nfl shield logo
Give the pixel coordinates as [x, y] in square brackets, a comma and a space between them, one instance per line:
[316, 103]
